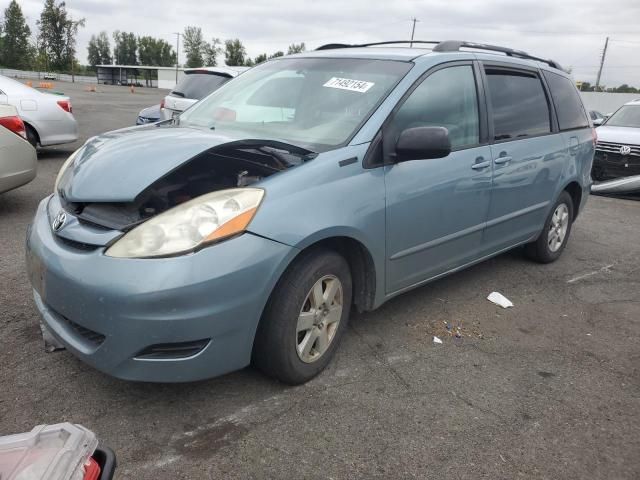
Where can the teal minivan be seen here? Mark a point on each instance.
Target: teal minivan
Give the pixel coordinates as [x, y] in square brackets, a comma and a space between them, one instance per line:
[247, 228]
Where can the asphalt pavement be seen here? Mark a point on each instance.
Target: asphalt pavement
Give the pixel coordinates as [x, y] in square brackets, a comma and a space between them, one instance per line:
[547, 389]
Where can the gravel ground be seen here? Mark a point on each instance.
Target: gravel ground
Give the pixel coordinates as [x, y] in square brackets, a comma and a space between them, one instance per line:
[547, 389]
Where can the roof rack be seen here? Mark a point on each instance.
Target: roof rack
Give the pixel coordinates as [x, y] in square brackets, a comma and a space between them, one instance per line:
[450, 46]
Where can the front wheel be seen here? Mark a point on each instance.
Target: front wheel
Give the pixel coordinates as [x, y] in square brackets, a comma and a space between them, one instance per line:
[554, 237]
[305, 318]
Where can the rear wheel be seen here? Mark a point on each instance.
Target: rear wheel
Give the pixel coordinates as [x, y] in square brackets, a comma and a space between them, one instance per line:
[555, 234]
[305, 318]
[32, 136]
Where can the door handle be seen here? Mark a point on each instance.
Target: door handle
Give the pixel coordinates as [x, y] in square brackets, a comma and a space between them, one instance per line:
[573, 145]
[502, 159]
[481, 163]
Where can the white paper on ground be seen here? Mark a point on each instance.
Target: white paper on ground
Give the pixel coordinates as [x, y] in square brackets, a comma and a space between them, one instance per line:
[499, 299]
[436, 340]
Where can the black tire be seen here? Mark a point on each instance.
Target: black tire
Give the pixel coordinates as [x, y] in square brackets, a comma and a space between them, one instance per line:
[32, 136]
[539, 250]
[275, 346]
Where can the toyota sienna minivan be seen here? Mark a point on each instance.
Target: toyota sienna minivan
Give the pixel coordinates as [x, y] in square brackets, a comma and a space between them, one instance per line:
[246, 229]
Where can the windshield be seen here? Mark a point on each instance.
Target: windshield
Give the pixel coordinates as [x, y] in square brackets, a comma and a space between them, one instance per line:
[626, 116]
[317, 103]
[198, 85]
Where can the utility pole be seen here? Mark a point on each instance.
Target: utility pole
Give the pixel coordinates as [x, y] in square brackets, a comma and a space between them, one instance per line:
[604, 54]
[413, 30]
[177, 34]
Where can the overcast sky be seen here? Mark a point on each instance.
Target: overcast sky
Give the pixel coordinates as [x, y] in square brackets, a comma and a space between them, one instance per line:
[570, 31]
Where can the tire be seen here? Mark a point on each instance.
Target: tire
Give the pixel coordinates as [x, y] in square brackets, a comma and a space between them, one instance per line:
[547, 248]
[280, 349]
[32, 136]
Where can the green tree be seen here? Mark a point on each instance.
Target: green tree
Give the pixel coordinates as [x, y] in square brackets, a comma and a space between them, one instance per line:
[277, 54]
[125, 49]
[234, 52]
[260, 59]
[212, 50]
[195, 46]
[57, 35]
[156, 52]
[15, 51]
[99, 50]
[296, 48]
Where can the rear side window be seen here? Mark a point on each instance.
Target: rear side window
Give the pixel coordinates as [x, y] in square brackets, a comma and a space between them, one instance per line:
[519, 104]
[198, 85]
[567, 101]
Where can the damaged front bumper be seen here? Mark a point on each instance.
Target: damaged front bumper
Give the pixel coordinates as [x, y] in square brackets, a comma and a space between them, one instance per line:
[623, 185]
[175, 319]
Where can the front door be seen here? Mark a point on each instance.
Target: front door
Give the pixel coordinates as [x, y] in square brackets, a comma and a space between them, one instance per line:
[437, 208]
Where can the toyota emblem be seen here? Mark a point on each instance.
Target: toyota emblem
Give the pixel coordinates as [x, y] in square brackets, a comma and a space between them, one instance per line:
[625, 150]
[58, 222]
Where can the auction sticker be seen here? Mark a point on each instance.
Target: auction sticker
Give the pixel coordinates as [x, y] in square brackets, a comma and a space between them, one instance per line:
[349, 84]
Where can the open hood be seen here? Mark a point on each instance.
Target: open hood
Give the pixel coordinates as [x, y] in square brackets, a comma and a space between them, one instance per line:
[117, 166]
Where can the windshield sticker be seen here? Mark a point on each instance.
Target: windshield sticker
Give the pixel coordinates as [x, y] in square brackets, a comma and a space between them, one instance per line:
[349, 84]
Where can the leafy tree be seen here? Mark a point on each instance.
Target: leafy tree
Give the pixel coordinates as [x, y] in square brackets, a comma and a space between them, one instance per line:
[156, 52]
[234, 52]
[57, 36]
[15, 51]
[125, 48]
[276, 54]
[195, 46]
[99, 50]
[211, 52]
[296, 48]
[260, 59]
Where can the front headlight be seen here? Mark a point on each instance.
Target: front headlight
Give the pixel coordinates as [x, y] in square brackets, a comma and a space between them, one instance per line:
[188, 226]
[64, 166]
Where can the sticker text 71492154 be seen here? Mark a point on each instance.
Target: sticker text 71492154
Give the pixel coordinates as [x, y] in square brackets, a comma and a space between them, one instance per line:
[349, 84]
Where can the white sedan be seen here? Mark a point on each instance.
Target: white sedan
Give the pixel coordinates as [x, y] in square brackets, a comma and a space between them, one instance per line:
[48, 118]
[17, 157]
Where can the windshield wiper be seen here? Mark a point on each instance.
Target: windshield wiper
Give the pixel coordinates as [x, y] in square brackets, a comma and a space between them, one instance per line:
[287, 154]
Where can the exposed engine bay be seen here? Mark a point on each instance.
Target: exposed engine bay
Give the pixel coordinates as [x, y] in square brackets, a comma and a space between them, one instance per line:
[231, 165]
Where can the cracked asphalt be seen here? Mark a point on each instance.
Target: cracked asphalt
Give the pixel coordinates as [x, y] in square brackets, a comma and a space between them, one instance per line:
[547, 389]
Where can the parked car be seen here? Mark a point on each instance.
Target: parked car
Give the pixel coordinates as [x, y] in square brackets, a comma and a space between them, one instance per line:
[48, 118]
[51, 452]
[248, 228]
[149, 115]
[616, 166]
[196, 84]
[596, 117]
[17, 156]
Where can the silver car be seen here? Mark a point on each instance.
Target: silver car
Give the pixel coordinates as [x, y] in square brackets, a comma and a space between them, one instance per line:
[196, 84]
[48, 118]
[17, 157]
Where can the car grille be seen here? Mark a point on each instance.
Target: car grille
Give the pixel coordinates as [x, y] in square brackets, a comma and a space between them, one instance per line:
[167, 351]
[611, 147]
[608, 166]
[94, 338]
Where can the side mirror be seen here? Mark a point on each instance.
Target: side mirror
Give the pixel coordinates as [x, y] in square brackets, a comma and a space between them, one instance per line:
[598, 121]
[422, 143]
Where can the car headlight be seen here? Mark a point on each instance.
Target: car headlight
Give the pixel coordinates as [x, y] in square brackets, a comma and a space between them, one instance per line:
[206, 219]
[64, 166]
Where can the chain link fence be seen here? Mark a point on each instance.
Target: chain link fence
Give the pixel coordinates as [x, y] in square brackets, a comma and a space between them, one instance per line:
[62, 77]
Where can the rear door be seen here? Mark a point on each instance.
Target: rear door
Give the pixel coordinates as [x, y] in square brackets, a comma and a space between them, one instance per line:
[528, 154]
[437, 208]
[573, 123]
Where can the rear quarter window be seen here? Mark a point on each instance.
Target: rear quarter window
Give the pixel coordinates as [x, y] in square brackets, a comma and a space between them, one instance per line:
[571, 113]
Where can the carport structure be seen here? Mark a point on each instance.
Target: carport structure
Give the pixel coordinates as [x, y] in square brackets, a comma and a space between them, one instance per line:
[145, 75]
